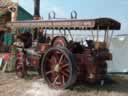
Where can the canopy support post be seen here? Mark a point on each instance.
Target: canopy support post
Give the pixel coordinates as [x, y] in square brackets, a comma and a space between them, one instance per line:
[107, 37]
[93, 37]
[70, 34]
[97, 39]
[64, 32]
[111, 38]
[52, 33]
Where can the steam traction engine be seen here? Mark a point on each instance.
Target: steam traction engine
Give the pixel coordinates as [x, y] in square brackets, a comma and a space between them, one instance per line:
[65, 62]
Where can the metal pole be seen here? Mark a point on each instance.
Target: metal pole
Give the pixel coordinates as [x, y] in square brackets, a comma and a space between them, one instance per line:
[17, 5]
[110, 38]
[93, 37]
[97, 39]
[52, 33]
[107, 37]
[97, 34]
[70, 34]
[64, 32]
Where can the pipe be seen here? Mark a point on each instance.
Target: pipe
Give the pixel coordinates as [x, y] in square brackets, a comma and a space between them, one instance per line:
[36, 8]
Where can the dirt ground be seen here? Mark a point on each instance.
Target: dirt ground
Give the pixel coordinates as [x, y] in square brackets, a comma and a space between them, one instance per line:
[10, 85]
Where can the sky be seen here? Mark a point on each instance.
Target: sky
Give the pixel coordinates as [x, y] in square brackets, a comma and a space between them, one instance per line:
[86, 9]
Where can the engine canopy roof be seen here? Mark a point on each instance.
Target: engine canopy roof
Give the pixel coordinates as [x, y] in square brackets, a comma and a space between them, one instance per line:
[72, 24]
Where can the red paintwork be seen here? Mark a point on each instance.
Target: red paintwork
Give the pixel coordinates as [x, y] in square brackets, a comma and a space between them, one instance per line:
[42, 47]
[91, 63]
[85, 65]
[34, 60]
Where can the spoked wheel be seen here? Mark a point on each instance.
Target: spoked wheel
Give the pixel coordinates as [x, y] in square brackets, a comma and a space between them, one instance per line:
[59, 41]
[59, 68]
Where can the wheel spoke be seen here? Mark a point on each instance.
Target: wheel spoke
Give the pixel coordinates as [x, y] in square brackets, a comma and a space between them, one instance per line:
[49, 72]
[61, 58]
[57, 77]
[65, 65]
[63, 80]
[65, 74]
[66, 70]
[54, 59]
[50, 62]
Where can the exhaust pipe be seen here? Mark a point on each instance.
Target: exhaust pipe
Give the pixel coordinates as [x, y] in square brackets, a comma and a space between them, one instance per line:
[36, 9]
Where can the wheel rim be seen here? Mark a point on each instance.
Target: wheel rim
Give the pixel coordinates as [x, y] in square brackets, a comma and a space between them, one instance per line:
[57, 69]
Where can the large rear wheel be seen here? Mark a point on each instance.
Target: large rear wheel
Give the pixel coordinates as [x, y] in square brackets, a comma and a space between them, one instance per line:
[59, 68]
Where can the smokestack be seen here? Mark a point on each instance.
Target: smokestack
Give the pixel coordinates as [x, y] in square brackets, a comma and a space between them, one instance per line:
[36, 9]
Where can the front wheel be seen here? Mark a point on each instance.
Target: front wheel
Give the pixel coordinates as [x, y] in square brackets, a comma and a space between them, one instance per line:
[59, 68]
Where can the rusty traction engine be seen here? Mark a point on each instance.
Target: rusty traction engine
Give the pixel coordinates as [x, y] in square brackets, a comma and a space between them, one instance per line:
[63, 62]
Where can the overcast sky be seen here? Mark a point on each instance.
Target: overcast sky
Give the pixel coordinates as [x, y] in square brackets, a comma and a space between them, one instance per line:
[116, 9]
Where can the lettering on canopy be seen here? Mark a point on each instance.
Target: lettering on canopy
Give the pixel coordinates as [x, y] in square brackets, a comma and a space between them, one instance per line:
[57, 24]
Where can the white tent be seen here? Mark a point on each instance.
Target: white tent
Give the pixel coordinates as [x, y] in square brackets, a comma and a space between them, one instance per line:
[119, 49]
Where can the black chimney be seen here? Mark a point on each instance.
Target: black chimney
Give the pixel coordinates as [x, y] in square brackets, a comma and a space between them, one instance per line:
[36, 8]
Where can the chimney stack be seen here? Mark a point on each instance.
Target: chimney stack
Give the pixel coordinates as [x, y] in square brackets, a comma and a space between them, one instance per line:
[36, 9]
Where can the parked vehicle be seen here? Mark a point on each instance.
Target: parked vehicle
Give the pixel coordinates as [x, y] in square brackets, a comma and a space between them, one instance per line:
[62, 62]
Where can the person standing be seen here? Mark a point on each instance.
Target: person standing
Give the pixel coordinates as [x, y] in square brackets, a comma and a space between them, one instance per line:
[8, 39]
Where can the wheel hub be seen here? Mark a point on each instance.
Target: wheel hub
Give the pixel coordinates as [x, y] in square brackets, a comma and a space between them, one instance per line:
[57, 68]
